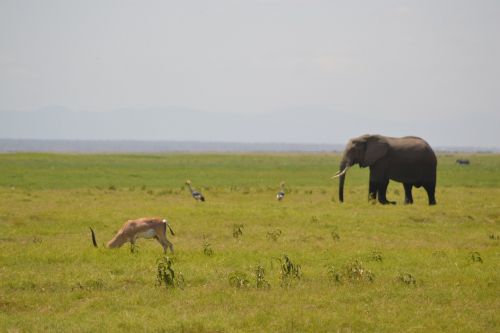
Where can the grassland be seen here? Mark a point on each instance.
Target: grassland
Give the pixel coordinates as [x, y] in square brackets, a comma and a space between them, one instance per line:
[363, 267]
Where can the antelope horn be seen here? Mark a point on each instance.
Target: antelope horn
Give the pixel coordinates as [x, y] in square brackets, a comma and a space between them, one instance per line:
[341, 173]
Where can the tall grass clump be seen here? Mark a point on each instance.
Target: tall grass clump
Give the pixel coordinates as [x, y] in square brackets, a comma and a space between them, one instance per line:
[207, 247]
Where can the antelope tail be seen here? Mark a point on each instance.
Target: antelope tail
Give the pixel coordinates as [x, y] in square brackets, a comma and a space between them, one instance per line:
[171, 231]
[93, 237]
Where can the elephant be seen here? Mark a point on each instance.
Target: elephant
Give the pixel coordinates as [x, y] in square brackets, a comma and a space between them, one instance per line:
[409, 160]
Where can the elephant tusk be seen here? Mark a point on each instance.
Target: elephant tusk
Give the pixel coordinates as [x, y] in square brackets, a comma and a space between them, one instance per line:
[341, 173]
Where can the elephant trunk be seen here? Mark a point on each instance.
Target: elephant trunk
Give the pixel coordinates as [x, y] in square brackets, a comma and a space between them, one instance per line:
[342, 169]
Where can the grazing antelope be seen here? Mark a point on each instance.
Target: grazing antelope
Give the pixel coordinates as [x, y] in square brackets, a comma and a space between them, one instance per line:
[197, 195]
[281, 194]
[141, 228]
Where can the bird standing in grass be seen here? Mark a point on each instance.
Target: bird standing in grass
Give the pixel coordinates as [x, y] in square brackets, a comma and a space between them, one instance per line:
[197, 195]
[281, 194]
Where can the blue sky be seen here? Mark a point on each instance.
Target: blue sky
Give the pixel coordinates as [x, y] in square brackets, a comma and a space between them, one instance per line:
[286, 71]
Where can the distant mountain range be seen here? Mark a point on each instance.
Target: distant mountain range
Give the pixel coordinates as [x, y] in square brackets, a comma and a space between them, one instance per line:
[166, 124]
[118, 146]
[123, 146]
[176, 124]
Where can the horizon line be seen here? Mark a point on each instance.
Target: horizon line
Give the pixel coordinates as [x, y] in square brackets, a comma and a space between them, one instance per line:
[151, 146]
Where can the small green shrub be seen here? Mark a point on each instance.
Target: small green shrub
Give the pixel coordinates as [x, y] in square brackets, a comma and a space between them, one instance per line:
[356, 271]
[375, 256]
[334, 274]
[352, 271]
[165, 274]
[207, 247]
[134, 248]
[260, 278]
[237, 230]
[274, 235]
[408, 279]
[476, 257]
[288, 271]
[238, 280]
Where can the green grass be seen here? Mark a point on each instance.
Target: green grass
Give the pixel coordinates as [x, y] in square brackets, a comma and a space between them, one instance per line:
[52, 279]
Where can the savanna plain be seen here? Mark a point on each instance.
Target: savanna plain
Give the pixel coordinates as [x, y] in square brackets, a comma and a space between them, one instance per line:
[243, 261]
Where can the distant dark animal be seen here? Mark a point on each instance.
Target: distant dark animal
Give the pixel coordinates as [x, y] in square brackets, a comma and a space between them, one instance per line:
[409, 160]
[463, 161]
[140, 228]
[196, 195]
[281, 194]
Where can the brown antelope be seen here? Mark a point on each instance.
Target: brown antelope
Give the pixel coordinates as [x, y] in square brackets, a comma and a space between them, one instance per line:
[145, 227]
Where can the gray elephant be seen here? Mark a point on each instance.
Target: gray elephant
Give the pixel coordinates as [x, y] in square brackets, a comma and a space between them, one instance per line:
[409, 160]
[462, 161]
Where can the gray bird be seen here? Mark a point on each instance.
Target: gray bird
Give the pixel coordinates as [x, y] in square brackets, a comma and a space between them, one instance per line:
[196, 195]
[281, 194]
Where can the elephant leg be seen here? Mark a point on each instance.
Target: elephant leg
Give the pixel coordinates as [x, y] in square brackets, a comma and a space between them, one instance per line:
[408, 196]
[430, 188]
[382, 189]
[372, 190]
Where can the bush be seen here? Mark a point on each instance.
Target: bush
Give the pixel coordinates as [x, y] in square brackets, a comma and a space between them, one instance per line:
[353, 271]
[260, 278]
[237, 230]
[238, 280]
[165, 274]
[288, 271]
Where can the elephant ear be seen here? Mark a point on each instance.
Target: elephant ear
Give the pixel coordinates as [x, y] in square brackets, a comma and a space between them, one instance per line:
[375, 150]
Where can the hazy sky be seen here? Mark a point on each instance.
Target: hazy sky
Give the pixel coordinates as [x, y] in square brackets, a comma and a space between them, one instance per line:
[428, 68]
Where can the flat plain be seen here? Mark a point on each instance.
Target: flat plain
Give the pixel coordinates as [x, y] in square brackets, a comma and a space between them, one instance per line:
[353, 266]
